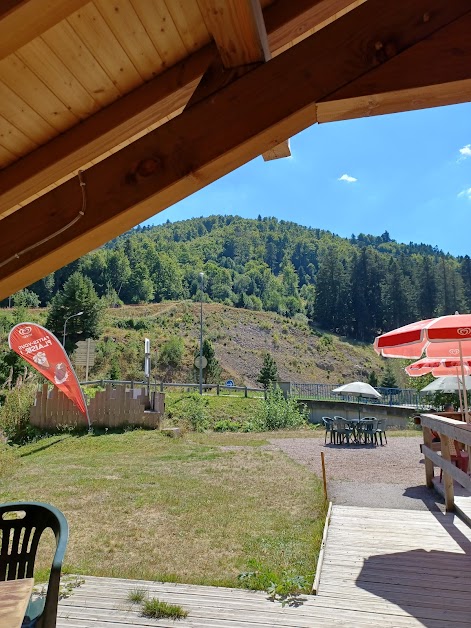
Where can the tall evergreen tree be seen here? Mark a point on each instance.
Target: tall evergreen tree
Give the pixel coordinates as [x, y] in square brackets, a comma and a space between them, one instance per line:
[78, 295]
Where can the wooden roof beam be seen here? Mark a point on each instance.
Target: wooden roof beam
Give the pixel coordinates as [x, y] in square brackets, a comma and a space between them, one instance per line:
[133, 113]
[239, 31]
[409, 80]
[23, 20]
[219, 134]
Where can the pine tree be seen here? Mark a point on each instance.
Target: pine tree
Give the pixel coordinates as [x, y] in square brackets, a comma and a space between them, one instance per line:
[78, 295]
[389, 379]
[269, 371]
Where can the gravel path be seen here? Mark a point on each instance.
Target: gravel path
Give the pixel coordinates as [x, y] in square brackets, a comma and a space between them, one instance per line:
[391, 476]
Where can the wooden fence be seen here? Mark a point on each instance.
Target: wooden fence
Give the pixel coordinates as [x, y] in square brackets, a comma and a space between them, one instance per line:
[449, 430]
[113, 407]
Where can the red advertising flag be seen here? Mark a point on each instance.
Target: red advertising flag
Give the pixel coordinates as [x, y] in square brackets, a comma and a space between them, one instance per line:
[45, 353]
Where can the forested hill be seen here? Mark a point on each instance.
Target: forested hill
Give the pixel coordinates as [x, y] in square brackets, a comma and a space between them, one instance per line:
[355, 287]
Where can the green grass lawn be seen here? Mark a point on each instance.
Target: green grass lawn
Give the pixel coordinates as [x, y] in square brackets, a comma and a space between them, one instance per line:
[200, 509]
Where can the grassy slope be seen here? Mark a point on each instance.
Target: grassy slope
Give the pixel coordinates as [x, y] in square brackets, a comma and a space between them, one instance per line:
[240, 338]
[138, 504]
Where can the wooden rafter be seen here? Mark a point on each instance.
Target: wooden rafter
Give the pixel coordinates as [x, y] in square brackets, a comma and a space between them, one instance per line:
[23, 20]
[95, 136]
[409, 78]
[221, 133]
[238, 29]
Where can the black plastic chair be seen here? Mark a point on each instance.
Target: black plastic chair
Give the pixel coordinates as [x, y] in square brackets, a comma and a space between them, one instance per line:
[19, 543]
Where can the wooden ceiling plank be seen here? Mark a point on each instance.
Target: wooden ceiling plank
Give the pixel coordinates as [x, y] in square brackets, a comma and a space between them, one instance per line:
[64, 41]
[100, 40]
[410, 78]
[238, 30]
[21, 115]
[54, 73]
[159, 24]
[21, 80]
[21, 21]
[187, 153]
[106, 129]
[6, 157]
[188, 20]
[13, 139]
[130, 32]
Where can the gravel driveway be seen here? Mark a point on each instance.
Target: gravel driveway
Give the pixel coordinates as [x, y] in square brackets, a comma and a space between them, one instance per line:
[391, 476]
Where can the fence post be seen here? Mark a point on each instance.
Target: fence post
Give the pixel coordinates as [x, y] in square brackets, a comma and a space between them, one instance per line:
[245, 392]
[217, 390]
[265, 394]
[132, 384]
[161, 387]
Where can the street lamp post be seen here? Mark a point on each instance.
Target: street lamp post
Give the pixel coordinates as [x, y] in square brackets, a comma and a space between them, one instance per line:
[65, 326]
[201, 335]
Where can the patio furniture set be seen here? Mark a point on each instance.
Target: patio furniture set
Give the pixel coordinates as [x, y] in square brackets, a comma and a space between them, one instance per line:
[366, 431]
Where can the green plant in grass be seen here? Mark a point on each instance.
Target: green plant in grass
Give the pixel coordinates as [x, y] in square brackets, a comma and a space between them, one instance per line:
[136, 596]
[157, 609]
[14, 413]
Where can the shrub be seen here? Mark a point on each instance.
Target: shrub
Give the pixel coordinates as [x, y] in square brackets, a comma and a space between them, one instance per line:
[226, 426]
[172, 351]
[191, 411]
[277, 413]
[14, 414]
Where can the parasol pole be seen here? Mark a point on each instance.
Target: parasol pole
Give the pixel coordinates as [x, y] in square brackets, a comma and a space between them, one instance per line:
[460, 395]
[465, 392]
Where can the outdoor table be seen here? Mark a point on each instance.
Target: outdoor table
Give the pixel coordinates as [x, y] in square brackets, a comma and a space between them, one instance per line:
[354, 423]
[14, 598]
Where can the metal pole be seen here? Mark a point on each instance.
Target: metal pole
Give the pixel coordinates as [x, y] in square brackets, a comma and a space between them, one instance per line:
[65, 326]
[201, 335]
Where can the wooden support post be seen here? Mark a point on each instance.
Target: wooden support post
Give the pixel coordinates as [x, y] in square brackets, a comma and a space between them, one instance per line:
[447, 478]
[428, 463]
[161, 387]
[324, 478]
[245, 392]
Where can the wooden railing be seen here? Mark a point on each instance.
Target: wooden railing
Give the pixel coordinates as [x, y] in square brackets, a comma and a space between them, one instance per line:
[448, 430]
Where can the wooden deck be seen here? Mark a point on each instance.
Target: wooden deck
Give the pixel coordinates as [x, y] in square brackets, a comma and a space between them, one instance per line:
[388, 568]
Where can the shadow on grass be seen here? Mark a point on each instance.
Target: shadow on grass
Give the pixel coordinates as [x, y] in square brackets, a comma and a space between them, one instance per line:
[42, 448]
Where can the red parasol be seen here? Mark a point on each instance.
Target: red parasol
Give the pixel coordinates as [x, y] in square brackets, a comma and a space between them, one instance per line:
[443, 337]
[438, 368]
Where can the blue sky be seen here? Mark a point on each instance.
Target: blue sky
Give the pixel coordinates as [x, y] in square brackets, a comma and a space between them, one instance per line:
[407, 173]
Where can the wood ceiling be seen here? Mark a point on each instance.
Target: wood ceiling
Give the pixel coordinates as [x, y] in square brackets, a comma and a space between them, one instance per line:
[116, 87]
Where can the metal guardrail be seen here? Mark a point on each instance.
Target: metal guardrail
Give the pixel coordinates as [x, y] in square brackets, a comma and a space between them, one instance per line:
[390, 396]
[162, 385]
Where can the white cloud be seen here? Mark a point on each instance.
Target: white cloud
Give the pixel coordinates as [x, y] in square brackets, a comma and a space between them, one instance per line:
[347, 178]
[465, 194]
[465, 152]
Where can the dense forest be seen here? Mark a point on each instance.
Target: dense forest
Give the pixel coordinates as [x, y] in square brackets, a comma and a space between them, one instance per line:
[355, 287]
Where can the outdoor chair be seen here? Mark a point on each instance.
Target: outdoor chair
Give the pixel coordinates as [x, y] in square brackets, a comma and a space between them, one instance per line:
[342, 430]
[368, 430]
[381, 431]
[19, 543]
[328, 424]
